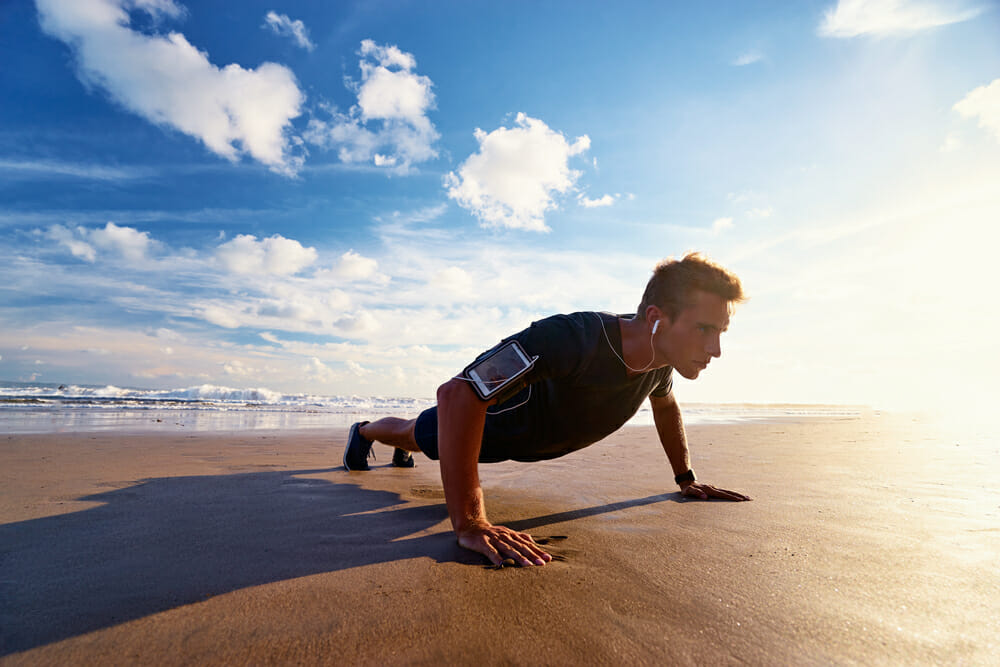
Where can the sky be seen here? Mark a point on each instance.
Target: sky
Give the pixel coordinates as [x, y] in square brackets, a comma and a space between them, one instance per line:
[355, 198]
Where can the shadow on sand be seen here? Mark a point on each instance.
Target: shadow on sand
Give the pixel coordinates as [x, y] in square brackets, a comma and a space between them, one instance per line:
[168, 542]
[173, 541]
[582, 513]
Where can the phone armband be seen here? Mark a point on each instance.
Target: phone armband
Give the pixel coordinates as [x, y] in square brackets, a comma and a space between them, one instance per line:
[499, 373]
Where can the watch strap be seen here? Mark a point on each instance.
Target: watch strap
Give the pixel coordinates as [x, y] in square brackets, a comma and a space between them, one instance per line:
[685, 477]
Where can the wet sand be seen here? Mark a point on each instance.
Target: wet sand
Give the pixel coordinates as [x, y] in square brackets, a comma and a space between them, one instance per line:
[870, 541]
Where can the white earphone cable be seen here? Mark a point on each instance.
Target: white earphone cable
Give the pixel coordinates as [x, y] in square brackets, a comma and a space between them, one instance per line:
[652, 350]
[498, 412]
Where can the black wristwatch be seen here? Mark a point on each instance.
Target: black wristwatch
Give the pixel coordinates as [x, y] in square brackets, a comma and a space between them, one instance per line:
[685, 477]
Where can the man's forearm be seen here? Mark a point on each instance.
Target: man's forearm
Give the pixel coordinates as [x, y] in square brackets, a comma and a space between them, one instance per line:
[670, 428]
[461, 417]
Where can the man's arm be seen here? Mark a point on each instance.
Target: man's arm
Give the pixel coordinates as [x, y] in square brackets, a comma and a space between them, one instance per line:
[461, 418]
[670, 428]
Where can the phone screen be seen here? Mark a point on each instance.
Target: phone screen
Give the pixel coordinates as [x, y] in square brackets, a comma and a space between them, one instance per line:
[491, 373]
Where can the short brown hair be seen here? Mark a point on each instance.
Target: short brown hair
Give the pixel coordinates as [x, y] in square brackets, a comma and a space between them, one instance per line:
[674, 280]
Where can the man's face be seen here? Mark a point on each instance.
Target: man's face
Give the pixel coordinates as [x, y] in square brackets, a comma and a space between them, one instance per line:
[691, 340]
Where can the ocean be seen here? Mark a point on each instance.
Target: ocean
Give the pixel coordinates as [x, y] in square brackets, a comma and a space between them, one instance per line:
[54, 408]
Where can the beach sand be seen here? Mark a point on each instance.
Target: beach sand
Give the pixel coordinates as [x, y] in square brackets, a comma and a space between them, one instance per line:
[870, 541]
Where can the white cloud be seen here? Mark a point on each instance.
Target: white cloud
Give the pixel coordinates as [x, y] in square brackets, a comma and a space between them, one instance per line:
[168, 81]
[721, 224]
[353, 266]
[167, 334]
[454, 280]
[606, 200]
[358, 324]
[282, 25]
[748, 58]
[513, 179]
[218, 316]
[983, 104]
[237, 368]
[391, 93]
[431, 323]
[318, 371]
[388, 127]
[302, 305]
[851, 18]
[356, 369]
[400, 221]
[274, 255]
[78, 247]
[74, 170]
[128, 242]
[282, 309]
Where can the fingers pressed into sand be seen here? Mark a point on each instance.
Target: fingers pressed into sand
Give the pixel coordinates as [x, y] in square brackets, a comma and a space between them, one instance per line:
[531, 549]
[487, 550]
[477, 541]
[706, 491]
[726, 494]
[499, 542]
[523, 551]
[723, 494]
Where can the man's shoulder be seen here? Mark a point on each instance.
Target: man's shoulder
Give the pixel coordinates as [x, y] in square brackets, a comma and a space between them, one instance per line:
[586, 319]
[562, 326]
[572, 337]
[557, 342]
[585, 326]
[562, 339]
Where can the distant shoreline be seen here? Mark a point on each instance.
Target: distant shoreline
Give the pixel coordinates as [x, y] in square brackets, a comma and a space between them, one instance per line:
[25, 416]
[56, 408]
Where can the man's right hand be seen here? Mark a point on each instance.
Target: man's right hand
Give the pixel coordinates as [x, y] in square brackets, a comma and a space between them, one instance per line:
[499, 542]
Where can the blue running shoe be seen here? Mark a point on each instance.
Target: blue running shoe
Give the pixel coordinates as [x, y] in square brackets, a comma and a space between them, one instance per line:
[358, 449]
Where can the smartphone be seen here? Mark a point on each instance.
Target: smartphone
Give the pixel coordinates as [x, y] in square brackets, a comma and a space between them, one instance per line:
[496, 373]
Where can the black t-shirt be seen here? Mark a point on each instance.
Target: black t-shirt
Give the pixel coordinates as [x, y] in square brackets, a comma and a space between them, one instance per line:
[580, 392]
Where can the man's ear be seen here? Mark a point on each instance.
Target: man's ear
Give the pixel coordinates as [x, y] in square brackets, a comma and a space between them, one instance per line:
[653, 313]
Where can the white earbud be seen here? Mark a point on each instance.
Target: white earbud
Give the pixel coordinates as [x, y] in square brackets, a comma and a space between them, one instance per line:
[656, 325]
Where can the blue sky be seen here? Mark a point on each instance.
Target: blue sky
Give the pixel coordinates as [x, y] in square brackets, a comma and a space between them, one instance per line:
[357, 197]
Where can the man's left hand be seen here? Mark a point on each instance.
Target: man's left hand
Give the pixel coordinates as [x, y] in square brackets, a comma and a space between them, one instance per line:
[706, 491]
